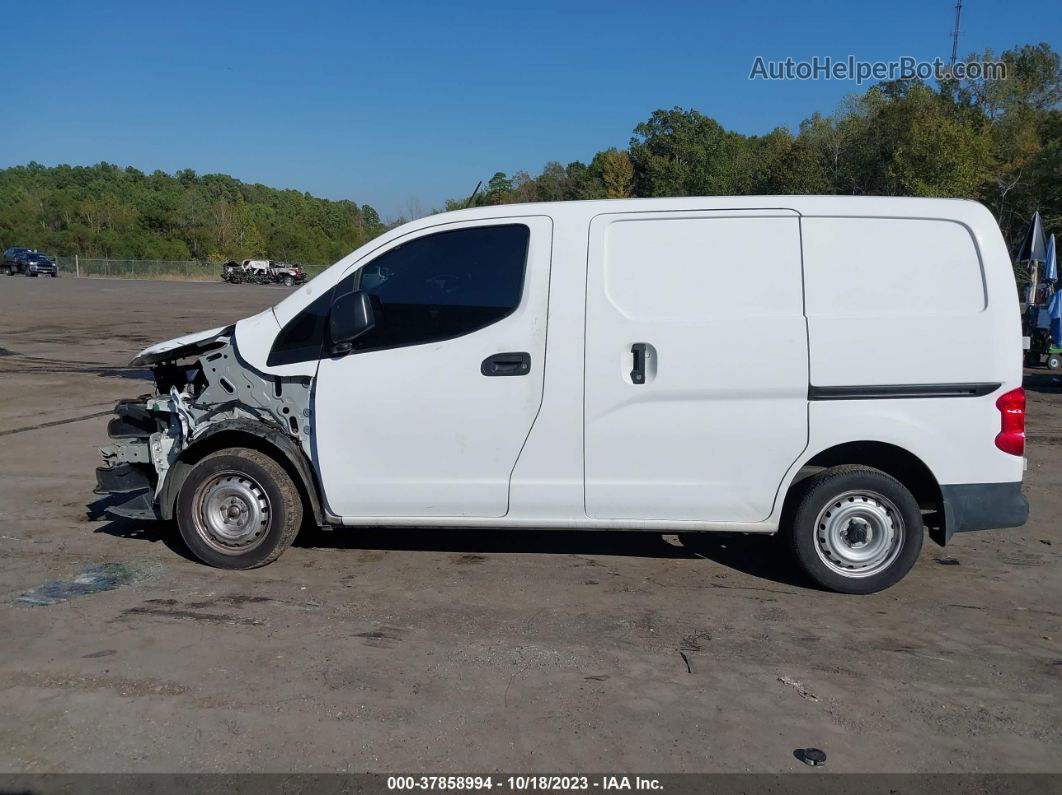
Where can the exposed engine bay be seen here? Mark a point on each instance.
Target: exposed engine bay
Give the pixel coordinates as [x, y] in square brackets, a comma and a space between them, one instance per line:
[203, 389]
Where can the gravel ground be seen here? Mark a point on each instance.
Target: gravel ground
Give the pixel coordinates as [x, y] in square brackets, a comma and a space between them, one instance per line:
[476, 651]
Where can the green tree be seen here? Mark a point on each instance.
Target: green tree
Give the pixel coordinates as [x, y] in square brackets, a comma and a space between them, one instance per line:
[681, 152]
[499, 189]
[617, 173]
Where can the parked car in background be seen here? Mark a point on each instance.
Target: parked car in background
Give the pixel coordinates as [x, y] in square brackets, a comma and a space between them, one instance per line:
[262, 271]
[37, 264]
[289, 275]
[30, 263]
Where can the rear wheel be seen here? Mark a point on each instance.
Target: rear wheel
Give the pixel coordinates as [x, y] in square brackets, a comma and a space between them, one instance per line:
[238, 509]
[855, 530]
[1054, 361]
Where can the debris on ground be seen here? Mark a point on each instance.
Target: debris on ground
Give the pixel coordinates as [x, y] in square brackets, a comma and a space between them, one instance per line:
[94, 579]
[694, 641]
[801, 690]
[947, 561]
[813, 757]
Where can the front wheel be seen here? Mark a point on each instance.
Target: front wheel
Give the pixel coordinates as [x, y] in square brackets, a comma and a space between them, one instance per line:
[238, 509]
[855, 530]
[1054, 362]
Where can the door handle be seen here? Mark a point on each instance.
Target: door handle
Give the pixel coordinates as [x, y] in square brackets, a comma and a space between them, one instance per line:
[638, 373]
[517, 363]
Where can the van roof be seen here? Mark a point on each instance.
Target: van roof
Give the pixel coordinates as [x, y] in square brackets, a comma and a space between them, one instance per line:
[805, 205]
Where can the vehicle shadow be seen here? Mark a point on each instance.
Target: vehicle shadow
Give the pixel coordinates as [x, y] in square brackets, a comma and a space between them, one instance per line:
[1046, 381]
[136, 529]
[758, 556]
[755, 555]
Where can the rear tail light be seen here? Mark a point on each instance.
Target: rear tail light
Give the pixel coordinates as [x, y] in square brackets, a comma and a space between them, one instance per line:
[1011, 436]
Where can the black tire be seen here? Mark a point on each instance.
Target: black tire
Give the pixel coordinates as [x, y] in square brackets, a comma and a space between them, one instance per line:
[289, 282]
[228, 472]
[860, 499]
[1054, 361]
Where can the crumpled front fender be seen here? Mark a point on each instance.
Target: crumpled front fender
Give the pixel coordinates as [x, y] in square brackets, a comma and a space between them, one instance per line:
[180, 347]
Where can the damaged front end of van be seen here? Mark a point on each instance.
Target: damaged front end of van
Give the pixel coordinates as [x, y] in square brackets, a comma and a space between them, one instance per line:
[206, 398]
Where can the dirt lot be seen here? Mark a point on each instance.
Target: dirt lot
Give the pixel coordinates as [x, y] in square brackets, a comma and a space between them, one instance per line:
[475, 652]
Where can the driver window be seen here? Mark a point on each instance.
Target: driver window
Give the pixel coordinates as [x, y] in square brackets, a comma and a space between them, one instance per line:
[444, 285]
[429, 289]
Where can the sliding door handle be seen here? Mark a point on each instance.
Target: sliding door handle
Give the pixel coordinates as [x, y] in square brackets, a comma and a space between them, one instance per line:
[638, 373]
[518, 363]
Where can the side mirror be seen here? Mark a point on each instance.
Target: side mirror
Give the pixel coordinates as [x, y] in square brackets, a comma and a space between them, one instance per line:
[351, 317]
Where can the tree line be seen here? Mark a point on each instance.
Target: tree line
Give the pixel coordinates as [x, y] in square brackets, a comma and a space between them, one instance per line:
[109, 211]
[997, 140]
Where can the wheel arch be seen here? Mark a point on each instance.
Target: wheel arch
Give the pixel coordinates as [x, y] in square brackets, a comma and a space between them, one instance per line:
[256, 436]
[893, 460]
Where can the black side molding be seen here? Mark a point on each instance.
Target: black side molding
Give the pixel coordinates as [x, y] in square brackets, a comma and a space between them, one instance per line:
[887, 391]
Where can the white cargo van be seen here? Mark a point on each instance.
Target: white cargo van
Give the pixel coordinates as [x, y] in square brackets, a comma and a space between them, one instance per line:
[845, 371]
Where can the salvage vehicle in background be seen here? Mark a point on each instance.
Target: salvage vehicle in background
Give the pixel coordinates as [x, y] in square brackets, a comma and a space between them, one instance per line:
[29, 263]
[262, 271]
[413, 384]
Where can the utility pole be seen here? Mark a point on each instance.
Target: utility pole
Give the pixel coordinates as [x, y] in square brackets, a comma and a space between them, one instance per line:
[955, 34]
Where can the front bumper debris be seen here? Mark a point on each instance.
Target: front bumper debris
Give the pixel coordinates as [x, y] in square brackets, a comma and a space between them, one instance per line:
[127, 474]
[149, 434]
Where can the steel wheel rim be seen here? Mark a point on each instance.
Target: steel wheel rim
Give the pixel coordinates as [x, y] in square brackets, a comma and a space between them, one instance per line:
[859, 533]
[231, 513]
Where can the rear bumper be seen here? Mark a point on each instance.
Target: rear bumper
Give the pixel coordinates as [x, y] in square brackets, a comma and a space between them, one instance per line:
[982, 506]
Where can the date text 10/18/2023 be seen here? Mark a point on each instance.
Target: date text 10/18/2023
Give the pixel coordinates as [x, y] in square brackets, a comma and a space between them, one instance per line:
[542, 783]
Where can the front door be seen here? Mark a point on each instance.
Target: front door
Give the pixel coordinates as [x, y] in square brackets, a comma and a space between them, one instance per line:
[428, 414]
[696, 372]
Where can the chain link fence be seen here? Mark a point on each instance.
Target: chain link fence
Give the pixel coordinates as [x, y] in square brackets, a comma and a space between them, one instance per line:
[166, 270]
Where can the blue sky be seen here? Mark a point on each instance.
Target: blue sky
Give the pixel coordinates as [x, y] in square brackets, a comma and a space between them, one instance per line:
[393, 103]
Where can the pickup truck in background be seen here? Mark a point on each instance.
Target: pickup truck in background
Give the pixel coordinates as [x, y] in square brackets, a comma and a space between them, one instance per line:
[28, 263]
